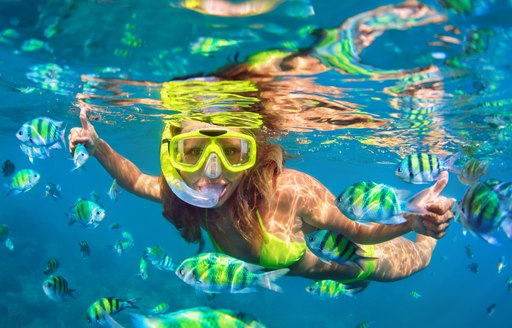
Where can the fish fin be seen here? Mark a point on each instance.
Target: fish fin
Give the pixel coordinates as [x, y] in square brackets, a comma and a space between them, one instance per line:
[71, 291]
[62, 137]
[109, 321]
[71, 222]
[506, 225]
[9, 244]
[488, 237]
[450, 162]
[266, 279]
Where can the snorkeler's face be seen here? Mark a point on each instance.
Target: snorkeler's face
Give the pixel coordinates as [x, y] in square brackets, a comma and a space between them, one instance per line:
[213, 174]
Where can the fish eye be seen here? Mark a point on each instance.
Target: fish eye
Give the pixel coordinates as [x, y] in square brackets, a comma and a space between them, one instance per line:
[311, 238]
[181, 272]
[399, 169]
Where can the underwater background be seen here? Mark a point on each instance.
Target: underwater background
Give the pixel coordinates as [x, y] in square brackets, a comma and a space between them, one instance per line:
[114, 55]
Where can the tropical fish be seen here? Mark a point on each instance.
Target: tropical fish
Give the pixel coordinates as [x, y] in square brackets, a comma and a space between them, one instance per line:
[8, 168]
[52, 190]
[472, 170]
[126, 235]
[218, 273]
[424, 168]
[113, 191]
[22, 181]
[143, 269]
[114, 226]
[490, 309]
[85, 250]
[154, 253]
[42, 132]
[332, 246]
[56, 288]
[203, 317]
[473, 267]
[51, 266]
[86, 213]
[330, 289]
[122, 246]
[80, 157]
[414, 294]
[364, 324]
[4, 237]
[165, 263]
[501, 264]
[368, 201]
[107, 306]
[483, 211]
[161, 308]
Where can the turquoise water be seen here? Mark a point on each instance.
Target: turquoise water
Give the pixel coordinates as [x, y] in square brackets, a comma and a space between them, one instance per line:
[115, 55]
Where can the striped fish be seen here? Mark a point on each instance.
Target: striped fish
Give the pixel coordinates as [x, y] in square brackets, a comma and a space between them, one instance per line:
[472, 170]
[332, 246]
[164, 263]
[22, 181]
[121, 246]
[154, 253]
[56, 288]
[4, 237]
[203, 317]
[422, 168]
[330, 289]
[143, 269]
[161, 308]
[80, 157]
[98, 310]
[42, 132]
[367, 201]
[86, 213]
[483, 211]
[85, 250]
[51, 266]
[217, 273]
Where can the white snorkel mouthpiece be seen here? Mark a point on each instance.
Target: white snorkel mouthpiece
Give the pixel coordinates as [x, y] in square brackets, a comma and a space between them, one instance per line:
[207, 198]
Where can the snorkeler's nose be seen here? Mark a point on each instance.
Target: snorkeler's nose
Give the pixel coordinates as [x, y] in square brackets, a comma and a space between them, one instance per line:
[212, 168]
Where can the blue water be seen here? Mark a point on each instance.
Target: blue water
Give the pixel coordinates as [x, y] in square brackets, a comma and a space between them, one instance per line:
[154, 42]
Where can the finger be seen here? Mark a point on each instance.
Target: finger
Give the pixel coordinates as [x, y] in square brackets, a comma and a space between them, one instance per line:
[83, 118]
[441, 205]
[441, 183]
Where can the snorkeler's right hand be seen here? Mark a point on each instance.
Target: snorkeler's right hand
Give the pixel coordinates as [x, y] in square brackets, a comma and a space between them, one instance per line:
[85, 135]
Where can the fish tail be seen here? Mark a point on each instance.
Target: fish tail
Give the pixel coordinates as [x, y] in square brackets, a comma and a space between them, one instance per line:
[62, 137]
[130, 303]
[71, 291]
[450, 162]
[267, 279]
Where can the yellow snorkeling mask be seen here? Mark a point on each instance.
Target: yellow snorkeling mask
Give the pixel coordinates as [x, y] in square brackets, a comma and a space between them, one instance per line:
[188, 152]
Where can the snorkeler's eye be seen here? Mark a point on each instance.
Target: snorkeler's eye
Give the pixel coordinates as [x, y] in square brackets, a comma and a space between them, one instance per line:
[230, 151]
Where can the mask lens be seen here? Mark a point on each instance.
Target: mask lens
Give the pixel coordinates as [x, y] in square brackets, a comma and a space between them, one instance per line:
[235, 150]
[190, 150]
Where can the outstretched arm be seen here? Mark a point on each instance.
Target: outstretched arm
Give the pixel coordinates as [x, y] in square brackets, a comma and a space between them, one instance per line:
[126, 173]
[319, 211]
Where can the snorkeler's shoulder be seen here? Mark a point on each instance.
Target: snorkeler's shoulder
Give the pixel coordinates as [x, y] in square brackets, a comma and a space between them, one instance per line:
[297, 178]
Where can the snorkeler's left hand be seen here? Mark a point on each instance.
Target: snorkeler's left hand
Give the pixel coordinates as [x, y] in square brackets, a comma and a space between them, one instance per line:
[436, 219]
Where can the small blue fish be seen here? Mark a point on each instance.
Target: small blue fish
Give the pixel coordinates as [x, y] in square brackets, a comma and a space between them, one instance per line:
[330, 289]
[501, 264]
[483, 211]
[52, 190]
[22, 181]
[56, 288]
[85, 250]
[424, 168]
[4, 237]
[80, 157]
[51, 266]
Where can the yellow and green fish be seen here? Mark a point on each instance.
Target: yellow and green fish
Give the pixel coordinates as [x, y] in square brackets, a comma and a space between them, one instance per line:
[330, 289]
[86, 213]
[51, 266]
[218, 273]
[22, 181]
[422, 168]
[56, 288]
[107, 306]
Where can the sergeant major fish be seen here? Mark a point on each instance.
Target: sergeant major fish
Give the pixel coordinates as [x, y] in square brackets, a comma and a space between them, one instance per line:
[330, 289]
[42, 132]
[56, 288]
[367, 201]
[80, 157]
[97, 311]
[22, 181]
[332, 246]
[218, 273]
[424, 168]
[86, 213]
[51, 266]
[483, 211]
[472, 170]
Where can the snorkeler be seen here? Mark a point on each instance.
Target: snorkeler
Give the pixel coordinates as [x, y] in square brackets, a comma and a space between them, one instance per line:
[231, 183]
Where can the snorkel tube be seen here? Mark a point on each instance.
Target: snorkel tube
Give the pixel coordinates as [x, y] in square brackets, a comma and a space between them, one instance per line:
[205, 199]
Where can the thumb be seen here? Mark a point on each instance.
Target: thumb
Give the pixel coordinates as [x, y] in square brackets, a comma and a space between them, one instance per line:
[441, 183]
[83, 119]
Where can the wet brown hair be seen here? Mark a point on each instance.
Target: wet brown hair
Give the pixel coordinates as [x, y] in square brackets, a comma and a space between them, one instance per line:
[256, 186]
